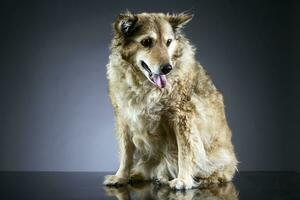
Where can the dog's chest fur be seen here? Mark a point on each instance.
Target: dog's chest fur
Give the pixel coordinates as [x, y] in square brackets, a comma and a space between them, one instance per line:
[142, 108]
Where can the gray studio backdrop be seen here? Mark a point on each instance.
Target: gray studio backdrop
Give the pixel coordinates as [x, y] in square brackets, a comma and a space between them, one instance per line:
[55, 111]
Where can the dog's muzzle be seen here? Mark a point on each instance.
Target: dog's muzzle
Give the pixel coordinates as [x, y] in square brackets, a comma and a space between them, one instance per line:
[160, 80]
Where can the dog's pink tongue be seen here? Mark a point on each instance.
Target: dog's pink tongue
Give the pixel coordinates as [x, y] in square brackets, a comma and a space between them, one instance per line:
[160, 80]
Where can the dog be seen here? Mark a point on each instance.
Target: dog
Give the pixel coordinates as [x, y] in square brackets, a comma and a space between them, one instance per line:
[170, 118]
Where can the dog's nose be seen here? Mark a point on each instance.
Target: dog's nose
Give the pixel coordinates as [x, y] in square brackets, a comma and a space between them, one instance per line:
[166, 68]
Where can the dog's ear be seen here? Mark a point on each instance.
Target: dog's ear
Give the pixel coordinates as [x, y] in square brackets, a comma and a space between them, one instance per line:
[178, 21]
[126, 24]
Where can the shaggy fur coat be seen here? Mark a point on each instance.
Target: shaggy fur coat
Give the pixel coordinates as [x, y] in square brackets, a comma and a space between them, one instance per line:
[177, 135]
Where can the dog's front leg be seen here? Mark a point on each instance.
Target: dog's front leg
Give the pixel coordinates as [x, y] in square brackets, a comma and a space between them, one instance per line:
[126, 156]
[184, 178]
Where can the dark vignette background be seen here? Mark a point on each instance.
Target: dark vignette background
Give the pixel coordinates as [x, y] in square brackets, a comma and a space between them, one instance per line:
[55, 111]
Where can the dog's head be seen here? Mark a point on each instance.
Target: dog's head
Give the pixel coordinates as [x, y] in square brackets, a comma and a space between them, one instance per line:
[148, 41]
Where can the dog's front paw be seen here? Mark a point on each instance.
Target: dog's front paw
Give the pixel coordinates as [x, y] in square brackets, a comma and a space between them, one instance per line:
[180, 184]
[113, 180]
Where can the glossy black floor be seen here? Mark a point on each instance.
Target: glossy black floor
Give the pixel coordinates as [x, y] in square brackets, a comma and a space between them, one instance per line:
[88, 185]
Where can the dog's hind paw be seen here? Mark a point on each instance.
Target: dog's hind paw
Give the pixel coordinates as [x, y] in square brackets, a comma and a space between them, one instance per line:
[113, 180]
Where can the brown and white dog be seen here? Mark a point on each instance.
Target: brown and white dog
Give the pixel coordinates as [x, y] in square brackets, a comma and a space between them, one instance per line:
[170, 118]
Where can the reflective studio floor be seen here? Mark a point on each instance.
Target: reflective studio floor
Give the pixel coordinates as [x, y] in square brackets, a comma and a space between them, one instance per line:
[88, 185]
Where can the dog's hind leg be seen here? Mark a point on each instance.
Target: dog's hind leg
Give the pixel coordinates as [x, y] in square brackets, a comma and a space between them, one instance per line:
[222, 175]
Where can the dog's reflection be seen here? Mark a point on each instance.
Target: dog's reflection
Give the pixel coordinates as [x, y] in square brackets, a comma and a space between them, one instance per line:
[148, 191]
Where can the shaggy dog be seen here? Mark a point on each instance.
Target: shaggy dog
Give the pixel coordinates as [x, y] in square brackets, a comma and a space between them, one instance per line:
[171, 124]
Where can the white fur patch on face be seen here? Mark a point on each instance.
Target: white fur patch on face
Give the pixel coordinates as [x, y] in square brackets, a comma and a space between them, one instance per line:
[167, 32]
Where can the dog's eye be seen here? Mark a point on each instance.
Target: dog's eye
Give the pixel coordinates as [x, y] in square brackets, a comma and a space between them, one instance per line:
[169, 42]
[147, 42]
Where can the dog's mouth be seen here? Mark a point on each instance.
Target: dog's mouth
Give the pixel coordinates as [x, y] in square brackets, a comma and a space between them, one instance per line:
[159, 80]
